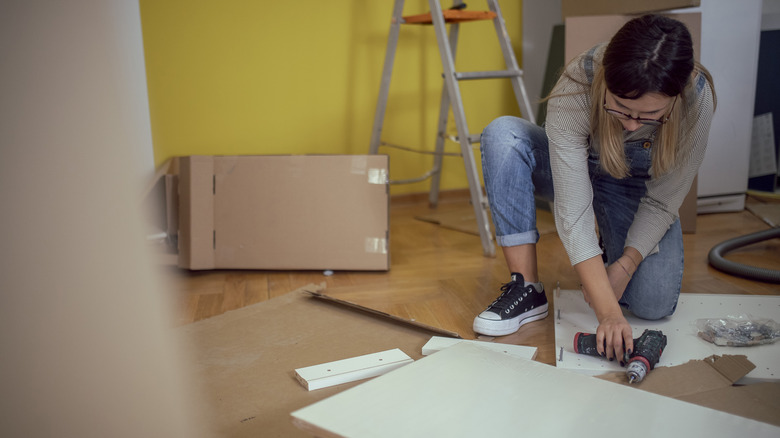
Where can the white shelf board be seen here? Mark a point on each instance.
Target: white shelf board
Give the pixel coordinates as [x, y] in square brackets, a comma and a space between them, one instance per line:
[467, 391]
[438, 343]
[351, 369]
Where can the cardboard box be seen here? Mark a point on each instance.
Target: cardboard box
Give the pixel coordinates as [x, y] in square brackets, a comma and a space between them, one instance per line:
[284, 212]
[582, 33]
[573, 8]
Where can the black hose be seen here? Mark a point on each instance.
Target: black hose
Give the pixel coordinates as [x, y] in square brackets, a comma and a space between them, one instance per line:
[751, 272]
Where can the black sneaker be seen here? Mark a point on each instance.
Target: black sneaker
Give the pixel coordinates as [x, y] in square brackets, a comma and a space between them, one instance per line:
[517, 305]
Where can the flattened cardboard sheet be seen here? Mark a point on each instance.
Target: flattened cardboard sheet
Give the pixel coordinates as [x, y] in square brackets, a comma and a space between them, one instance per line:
[246, 359]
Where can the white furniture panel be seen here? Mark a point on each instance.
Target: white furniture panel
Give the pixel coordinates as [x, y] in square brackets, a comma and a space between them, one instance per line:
[468, 391]
[573, 315]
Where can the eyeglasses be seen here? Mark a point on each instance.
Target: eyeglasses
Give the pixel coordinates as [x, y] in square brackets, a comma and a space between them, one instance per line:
[644, 121]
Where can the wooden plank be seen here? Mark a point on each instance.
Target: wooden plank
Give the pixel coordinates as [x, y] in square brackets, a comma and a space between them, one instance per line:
[438, 343]
[352, 369]
[466, 391]
[414, 323]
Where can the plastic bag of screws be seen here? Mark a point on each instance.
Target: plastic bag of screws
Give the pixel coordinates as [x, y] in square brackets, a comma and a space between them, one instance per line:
[738, 331]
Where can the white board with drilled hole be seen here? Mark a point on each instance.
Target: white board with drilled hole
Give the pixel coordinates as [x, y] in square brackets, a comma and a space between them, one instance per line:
[351, 369]
[572, 315]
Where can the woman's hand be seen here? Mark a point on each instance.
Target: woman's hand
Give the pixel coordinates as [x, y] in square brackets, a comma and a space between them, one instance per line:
[612, 335]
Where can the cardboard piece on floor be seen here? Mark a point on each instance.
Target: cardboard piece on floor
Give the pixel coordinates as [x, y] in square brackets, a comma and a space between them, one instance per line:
[245, 358]
[709, 383]
[438, 343]
[284, 212]
[351, 369]
[573, 315]
[466, 390]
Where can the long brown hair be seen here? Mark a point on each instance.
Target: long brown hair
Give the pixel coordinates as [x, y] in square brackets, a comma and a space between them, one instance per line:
[649, 54]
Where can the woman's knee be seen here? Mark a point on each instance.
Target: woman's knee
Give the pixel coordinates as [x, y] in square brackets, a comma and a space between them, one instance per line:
[654, 312]
[506, 135]
[508, 125]
[654, 298]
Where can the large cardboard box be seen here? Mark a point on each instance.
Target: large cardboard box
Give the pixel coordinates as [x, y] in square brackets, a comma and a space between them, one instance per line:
[284, 212]
[582, 33]
[573, 8]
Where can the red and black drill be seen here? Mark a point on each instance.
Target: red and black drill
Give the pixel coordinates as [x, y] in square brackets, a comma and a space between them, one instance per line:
[646, 354]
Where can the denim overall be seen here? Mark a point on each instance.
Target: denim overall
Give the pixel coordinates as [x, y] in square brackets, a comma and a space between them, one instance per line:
[516, 169]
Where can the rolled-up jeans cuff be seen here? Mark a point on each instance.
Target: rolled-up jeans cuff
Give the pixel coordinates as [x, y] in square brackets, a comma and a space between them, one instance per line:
[518, 239]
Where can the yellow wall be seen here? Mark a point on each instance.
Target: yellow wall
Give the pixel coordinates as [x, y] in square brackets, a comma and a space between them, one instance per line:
[302, 77]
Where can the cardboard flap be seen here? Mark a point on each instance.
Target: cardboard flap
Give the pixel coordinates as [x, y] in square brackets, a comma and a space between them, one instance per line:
[693, 377]
[196, 212]
[308, 211]
[732, 367]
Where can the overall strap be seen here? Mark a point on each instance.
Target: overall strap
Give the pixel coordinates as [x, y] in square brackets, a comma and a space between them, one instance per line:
[588, 64]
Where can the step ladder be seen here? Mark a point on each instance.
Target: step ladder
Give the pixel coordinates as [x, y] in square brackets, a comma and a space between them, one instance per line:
[451, 97]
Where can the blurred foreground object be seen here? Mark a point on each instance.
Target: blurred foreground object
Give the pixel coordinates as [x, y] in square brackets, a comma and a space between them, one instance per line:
[84, 326]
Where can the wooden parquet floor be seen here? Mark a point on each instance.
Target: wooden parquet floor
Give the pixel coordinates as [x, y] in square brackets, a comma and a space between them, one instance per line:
[439, 276]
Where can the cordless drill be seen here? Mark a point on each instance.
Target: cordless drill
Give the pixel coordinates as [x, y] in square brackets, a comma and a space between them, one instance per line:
[646, 354]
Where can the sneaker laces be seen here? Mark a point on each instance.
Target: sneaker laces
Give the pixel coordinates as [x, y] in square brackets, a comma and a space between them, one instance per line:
[506, 298]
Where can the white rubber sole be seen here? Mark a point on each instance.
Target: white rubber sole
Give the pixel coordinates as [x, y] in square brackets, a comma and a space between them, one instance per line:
[509, 326]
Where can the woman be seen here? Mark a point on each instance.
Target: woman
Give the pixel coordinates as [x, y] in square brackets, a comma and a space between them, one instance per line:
[625, 133]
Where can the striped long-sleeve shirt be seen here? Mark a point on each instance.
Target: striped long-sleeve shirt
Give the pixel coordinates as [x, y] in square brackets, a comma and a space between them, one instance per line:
[568, 132]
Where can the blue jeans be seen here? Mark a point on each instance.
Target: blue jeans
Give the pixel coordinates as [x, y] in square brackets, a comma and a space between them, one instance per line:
[516, 169]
